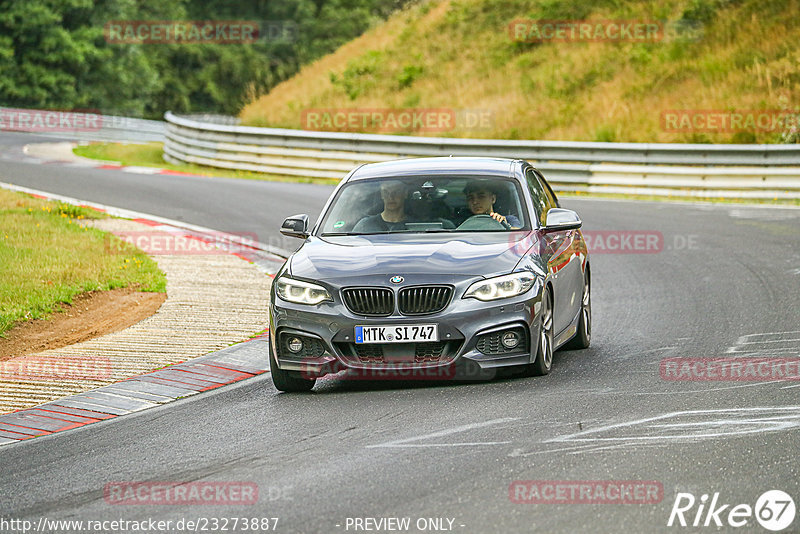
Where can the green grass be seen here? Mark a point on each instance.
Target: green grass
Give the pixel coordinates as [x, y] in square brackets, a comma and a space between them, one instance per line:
[142, 155]
[150, 155]
[48, 255]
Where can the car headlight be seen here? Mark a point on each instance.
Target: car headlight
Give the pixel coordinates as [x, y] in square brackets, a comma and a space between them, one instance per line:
[300, 292]
[501, 287]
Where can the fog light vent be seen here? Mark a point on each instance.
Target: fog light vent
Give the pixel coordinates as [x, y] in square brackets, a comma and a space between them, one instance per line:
[504, 341]
[296, 346]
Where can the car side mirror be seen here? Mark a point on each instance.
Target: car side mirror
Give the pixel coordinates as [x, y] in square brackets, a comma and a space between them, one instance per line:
[295, 226]
[559, 219]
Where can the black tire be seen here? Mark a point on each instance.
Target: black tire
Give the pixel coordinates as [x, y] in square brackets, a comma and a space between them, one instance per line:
[584, 334]
[544, 353]
[288, 381]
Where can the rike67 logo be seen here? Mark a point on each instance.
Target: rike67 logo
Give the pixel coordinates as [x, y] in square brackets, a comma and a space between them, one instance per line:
[774, 510]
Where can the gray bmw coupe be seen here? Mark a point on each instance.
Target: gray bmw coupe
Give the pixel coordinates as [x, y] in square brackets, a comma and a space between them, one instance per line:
[423, 268]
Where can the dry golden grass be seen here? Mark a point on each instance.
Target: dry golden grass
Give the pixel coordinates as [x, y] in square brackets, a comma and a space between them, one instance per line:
[747, 59]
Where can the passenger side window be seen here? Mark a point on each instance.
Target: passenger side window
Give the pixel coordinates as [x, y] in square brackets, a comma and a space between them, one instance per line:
[551, 197]
[540, 200]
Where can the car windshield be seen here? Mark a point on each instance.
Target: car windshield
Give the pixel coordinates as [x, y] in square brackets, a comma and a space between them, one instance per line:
[426, 204]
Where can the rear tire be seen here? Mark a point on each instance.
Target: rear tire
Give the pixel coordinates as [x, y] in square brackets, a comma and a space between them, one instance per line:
[544, 354]
[584, 334]
[288, 381]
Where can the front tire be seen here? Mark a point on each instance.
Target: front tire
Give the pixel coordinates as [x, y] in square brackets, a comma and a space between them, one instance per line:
[544, 355]
[584, 335]
[288, 381]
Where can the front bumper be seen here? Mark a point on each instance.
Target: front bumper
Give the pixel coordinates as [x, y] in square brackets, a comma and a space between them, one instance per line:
[466, 328]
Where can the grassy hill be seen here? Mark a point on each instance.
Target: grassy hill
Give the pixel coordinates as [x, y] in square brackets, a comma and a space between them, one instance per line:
[459, 55]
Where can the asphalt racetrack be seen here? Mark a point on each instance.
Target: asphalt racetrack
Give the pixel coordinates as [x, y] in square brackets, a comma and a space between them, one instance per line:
[722, 281]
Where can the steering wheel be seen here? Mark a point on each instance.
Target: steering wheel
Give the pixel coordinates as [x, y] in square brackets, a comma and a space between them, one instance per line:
[483, 222]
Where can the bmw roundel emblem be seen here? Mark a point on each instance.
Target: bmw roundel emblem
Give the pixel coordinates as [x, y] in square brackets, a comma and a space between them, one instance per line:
[396, 279]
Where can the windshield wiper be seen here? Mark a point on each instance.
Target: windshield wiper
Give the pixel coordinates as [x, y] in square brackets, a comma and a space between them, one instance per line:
[426, 231]
[336, 234]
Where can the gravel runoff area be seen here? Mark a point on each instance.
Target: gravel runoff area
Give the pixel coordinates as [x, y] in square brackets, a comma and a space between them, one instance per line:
[212, 302]
[61, 151]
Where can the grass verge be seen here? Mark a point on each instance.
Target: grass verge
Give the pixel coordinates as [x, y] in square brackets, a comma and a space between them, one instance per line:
[150, 155]
[48, 255]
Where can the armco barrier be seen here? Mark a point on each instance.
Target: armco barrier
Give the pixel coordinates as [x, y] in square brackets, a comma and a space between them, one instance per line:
[103, 128]
[741, 171]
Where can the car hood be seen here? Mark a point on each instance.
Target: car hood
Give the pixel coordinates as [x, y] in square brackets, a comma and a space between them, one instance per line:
[479, 254]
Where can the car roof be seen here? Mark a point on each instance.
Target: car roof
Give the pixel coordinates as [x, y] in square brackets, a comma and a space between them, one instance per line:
[468, 166]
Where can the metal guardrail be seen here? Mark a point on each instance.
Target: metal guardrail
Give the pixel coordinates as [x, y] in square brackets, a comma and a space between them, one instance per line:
[746, 171]
[108, 128]
[129, 129]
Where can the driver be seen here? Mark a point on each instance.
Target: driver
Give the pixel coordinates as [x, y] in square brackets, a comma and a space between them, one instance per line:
[393, 216]
[481, 197]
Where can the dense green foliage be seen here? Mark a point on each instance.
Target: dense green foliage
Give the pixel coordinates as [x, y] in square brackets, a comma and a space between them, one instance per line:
[54, 54]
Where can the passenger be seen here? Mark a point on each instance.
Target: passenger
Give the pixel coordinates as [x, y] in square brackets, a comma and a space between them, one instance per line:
[393, 216]
[481, 197]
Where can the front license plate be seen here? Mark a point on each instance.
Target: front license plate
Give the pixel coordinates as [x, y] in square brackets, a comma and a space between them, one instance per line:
[397, 333]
